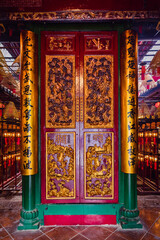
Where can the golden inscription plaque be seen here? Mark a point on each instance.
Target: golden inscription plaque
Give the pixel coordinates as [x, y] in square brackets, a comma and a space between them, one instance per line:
[60, 91]
[29, 103]
[60, 165]
[98, 87]
[99, 165]
[129, 104]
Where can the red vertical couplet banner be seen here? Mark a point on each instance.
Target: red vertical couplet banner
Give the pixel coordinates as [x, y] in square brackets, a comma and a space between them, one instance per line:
[29, 103]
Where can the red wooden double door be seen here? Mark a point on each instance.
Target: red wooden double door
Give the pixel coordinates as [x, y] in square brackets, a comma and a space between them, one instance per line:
[79, 117]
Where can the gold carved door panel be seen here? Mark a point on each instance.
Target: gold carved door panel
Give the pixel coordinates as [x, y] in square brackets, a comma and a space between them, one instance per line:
[79, 131]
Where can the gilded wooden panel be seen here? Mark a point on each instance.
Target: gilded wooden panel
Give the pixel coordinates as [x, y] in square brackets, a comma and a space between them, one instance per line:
[98, 87]
[60, 91]
[60, 165]
[99, 165]
[97, 43]
[60, 43]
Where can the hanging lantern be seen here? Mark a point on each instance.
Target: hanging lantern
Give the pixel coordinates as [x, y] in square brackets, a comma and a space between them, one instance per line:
[155, 64]
[5, 138]
[147, 160]
[146, 137]
[155, 138]
[142, 163]
[143, 73]
[10, 138]
[18, 138]
[13, 157]
[4, 162]
[150, 160]
[158, 70]
[155, 163]
[153, 71]
[9, 160]
[157, 104]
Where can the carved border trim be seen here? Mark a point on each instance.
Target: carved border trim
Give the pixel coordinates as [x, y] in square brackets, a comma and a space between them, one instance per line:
[83, 15]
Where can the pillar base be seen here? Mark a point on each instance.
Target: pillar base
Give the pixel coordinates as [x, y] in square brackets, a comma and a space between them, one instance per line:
[29, 220]
[130, 218]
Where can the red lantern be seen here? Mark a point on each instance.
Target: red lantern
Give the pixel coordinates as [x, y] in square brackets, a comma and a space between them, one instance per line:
[143, 73]
[157, 104]
[5, 162]
[5, 138]
[155, 165]
[142, 166]
[153, 71]
[158, 70]
[18, 139]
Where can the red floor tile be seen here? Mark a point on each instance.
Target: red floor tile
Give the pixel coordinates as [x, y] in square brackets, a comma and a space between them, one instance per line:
[43, 237]
[134, 234]
[78, 229]
[7, 238]
[96, 233]
[3, 233]
[61, 233]
[148, 217]
[79, 237]
[149, 236]
[155, 229]
[26, 235]
[115, 237]
[46, 229]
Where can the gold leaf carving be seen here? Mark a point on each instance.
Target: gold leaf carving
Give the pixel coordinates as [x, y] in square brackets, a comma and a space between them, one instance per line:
[99, 178]
[60, 170]
[98, 91]
[60, 91]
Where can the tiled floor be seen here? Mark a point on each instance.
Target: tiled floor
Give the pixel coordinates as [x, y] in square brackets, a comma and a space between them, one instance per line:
[149, 213]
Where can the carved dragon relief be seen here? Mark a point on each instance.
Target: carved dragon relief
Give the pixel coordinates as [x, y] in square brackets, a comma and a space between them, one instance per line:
[60, 91]
[99, 166]
[60, 170]
[98, 91]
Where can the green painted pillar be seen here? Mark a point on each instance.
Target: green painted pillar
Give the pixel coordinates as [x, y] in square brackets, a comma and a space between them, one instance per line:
[129, 212]
[129, 128]
[29, 130]
[29, 213]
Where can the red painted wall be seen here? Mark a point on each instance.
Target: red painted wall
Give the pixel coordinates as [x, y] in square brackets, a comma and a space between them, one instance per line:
[54, 5]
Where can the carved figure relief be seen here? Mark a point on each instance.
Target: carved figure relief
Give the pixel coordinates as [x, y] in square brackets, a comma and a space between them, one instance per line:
[60, 43]
[60, 169]
[99, 165]
[98, 110]
[60, 91]
[97, 43]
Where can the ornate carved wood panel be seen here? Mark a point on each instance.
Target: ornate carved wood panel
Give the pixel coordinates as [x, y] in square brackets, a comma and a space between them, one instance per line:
[98, 77]
[60, 165]
[99, 165]
[60, 91]
[79, 117]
